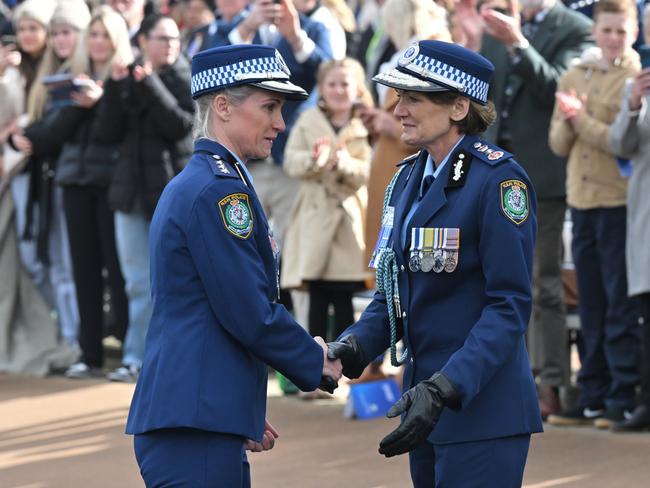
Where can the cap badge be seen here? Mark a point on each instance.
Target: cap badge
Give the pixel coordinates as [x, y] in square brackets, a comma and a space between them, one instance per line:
[409, 55]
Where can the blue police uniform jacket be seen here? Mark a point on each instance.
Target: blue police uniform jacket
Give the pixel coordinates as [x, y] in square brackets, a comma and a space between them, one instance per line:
[468, 323]
[215, 323]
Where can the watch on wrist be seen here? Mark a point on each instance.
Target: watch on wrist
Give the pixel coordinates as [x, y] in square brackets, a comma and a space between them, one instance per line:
[520, 45]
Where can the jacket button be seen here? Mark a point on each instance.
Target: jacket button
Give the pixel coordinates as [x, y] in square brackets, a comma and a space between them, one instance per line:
[403, 315]
[402, 267]
[411, 360]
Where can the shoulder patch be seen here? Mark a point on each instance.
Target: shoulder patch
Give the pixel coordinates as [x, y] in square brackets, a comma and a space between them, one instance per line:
[489, 153]
[514, 200]
[237, 214]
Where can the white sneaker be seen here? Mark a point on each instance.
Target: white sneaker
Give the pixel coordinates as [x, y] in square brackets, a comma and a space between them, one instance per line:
[81, 370]
[125, 374]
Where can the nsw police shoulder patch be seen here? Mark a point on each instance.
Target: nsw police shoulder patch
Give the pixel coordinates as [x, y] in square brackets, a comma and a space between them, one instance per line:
[514, 200]
[237, 214]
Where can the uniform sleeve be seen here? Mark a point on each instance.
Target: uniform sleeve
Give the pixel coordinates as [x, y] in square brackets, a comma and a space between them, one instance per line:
[237, 288]
[541, 75]
[506, 253]
[372, 329]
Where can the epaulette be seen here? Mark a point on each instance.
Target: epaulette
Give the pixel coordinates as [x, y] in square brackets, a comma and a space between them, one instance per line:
[409, 159]
[489, 153]
[222, 167]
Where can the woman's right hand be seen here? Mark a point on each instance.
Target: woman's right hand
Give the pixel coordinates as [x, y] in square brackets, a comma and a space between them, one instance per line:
[379, 122]
[88, 95]
[119, 71]
[9, 56]
[331, 368]
[640, 88]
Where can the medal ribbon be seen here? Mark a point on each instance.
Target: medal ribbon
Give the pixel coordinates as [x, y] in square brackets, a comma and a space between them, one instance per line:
[428, 240]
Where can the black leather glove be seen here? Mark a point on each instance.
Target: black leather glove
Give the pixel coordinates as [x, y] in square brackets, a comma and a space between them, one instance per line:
[422, 406]
[349, 351]
[328, 384]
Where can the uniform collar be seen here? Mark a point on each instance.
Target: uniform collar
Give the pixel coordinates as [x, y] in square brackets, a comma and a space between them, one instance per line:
[213, 147]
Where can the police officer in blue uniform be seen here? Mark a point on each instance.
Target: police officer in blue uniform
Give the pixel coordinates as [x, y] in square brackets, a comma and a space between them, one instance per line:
[454, 264]
[200, 400]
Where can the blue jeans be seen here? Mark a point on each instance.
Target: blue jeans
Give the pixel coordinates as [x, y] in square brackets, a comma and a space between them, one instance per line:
[609, 344]
[132, 239]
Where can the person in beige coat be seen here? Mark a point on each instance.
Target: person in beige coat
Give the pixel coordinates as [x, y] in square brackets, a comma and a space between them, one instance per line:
[328, 152]
[587, 101]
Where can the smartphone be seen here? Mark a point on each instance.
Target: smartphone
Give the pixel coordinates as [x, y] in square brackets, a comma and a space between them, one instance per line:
[64, 80]
[8, 40]
[644, 52]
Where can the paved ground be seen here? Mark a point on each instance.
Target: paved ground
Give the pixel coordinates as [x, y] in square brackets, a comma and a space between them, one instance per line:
[58, 433]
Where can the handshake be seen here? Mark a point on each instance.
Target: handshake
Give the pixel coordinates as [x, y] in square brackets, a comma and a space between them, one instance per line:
[344, 357]
[420, 406]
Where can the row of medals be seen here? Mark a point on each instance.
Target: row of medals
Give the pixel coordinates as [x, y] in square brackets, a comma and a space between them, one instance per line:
[438, 260]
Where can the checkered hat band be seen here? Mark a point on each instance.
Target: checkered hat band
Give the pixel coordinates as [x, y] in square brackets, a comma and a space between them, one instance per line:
[428, 67]
[223, 76]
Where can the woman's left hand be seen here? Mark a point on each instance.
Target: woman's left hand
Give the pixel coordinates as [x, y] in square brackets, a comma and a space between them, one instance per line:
[141, 72]
[268, 439]
[88, 95]
[23, 144]
[341, 152]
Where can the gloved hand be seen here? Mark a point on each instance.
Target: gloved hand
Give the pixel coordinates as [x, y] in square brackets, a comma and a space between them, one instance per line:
[349, 351]
[328, 384]
[423, 405]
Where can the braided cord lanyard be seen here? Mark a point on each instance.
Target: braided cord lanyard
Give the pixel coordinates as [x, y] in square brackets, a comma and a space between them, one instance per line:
[387, 281]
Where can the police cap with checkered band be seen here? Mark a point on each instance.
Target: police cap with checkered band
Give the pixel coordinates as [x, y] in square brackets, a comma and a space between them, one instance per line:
[435, 66]
[250, 64]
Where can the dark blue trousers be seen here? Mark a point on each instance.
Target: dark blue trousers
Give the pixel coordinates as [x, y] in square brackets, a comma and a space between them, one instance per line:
[609, 344]
[192, 458]
[481, 464]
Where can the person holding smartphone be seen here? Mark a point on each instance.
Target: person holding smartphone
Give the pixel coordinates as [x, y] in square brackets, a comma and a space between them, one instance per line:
[629, 137]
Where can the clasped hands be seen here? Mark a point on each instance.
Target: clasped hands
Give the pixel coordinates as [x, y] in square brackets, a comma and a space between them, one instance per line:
[421, 406]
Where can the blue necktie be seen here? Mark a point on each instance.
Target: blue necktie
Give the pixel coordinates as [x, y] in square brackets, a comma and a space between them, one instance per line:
[427, 181]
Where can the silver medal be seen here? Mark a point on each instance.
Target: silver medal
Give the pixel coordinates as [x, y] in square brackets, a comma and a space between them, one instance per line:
[415, 262]
[451, 261]
[438, 261]
[427, 261]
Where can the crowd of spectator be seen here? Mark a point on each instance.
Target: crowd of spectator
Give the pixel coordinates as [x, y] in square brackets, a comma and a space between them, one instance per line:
[96, 118]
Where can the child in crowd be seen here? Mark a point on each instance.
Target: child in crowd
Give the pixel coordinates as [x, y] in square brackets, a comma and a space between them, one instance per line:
[587, 101]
